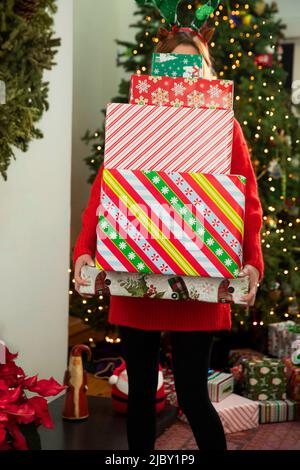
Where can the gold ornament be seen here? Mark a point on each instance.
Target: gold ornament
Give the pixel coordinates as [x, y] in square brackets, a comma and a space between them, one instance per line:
[247, 19]
[260, 7]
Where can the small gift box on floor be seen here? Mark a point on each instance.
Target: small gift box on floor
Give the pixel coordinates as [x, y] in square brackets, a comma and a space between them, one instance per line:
[220, 386]
[293, 378]
[164, 138]
[178, 92]
[237, 413]
[171, 223]
[264, 379]
[280, 338]
[236, 356]
[275, 411]
[177, 65]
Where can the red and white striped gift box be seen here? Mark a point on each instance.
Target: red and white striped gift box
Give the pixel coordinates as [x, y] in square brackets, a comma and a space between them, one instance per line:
[168, 139]
[237, 413]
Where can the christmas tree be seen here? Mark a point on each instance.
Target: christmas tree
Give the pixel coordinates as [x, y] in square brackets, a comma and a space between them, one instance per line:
[246, 48]
[27, 48]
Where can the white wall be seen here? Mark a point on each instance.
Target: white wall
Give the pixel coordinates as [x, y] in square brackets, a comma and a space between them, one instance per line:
[289, 12]
[35, 228]
[97, 23]
[297, 59]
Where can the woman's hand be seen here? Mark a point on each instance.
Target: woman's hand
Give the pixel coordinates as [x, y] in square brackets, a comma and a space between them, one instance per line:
[82, 261]
[253, 273]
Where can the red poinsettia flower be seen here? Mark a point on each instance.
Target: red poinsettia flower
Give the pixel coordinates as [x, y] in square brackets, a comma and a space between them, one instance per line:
[11, 373]
[16, 408]
[42, 416]
[9, 396]
[43, 387]
[10, 356]
[18, 440]
[22, 413]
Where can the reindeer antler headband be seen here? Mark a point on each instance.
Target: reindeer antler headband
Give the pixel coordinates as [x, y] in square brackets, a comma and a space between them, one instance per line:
[168, 10]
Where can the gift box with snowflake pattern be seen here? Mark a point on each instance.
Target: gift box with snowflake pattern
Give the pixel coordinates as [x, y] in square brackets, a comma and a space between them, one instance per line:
[177, 65]
[170, 223]
[264, 379]
[177, 92]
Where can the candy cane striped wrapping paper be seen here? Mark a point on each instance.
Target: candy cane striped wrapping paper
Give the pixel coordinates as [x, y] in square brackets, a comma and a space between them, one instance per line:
[171, 223]
[237, 413]
[167, 138]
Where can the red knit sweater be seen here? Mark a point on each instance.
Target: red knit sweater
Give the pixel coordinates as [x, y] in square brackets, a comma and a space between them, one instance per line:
[156, 314]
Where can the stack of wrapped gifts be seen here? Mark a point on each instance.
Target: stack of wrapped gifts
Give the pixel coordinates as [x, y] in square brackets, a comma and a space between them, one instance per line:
[171, 216]
[236, 412]
[258, 389]
[270, 382]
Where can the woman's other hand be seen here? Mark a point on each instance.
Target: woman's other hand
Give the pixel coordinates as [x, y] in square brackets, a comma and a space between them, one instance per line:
[82, 261]
[253, 273]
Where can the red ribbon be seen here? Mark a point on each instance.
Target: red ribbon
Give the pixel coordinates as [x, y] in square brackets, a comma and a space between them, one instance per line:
[176, 29]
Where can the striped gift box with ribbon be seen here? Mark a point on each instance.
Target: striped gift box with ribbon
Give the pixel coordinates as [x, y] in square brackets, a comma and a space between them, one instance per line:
[275, 411]
[220, 386]
[167, 138]
[171, 223]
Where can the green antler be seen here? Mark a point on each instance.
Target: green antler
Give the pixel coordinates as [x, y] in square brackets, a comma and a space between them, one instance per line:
[167, 8]
[202, 13]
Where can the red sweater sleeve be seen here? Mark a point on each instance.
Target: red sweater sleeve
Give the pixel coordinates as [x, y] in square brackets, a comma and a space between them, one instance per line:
[87, 238]
[241, 165]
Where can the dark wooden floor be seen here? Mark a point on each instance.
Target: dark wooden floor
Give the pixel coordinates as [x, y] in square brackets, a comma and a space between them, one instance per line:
[105, 429]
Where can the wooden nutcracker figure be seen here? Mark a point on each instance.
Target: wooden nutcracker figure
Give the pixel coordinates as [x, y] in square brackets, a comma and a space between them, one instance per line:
[76, 405]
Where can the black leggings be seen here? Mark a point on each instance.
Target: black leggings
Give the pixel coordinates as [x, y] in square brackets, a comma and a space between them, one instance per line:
[191, 355]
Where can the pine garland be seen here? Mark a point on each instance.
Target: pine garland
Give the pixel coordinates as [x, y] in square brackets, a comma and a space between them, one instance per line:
[27, 48]
[26, 8]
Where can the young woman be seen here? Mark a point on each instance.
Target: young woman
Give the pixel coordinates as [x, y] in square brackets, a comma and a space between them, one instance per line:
[191, 324]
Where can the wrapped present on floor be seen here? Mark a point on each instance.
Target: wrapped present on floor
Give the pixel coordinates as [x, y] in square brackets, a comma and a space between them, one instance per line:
[237, 413]
[275, 411]
[169, 387]
[178, 92]
[171, 223]
[264, 379]
[177, 65]
[159, 286]
[164, 138]
[293, 380]
[280, 338]
[236, 356]
[220, 386]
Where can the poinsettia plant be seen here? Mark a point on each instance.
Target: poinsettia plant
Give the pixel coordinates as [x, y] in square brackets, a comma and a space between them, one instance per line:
[16, 409]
